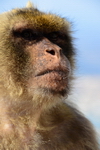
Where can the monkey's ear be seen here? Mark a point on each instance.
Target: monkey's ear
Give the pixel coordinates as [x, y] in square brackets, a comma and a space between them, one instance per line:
[29, 4]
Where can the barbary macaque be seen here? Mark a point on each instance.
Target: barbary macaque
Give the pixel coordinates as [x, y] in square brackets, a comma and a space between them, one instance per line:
[37, 61]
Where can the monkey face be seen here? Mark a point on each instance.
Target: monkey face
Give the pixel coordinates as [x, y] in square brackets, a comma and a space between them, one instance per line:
[41, 50]
[51, 69]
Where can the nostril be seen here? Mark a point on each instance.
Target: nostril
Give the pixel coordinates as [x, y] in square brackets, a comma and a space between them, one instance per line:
[52, 52]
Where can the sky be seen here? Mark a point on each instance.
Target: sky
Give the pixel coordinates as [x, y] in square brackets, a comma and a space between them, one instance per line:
[85, 17]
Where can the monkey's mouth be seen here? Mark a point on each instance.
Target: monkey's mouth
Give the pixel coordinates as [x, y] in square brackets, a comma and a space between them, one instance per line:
[62, 74]
[54, 80]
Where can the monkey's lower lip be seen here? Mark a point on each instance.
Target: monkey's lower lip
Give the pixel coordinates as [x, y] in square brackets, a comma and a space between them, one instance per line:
[61, 73]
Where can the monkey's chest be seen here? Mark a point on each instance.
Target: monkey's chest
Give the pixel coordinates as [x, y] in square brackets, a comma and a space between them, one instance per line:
[26, 138]
[23, 138]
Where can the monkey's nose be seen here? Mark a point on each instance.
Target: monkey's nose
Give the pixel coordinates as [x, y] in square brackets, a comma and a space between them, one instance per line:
[54, 51]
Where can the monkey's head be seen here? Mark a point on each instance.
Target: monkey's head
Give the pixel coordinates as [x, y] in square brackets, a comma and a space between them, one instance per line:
[36, 51]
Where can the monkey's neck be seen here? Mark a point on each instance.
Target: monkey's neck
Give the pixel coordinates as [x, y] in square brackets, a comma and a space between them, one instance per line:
[16, 120]
[29, 114]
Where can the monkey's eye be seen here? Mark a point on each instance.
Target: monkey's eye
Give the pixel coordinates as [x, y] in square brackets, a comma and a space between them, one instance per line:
[28, 34]
[53, 36]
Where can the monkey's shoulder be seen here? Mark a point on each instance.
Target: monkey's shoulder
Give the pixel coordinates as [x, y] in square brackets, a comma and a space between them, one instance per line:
[71, 128]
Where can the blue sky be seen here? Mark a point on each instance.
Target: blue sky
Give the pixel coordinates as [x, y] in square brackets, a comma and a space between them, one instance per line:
[85, 15]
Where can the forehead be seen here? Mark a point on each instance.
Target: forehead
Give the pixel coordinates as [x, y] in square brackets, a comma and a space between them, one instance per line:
[37, 20]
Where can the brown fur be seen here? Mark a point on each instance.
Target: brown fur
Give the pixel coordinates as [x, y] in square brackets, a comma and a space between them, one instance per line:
[36, 68]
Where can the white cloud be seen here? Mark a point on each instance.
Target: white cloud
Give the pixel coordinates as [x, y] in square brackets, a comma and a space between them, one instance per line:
[87, 92]
[86, 95]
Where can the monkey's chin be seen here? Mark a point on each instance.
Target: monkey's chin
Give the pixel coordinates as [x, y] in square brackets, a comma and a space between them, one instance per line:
[53, 82]
[56, 92]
